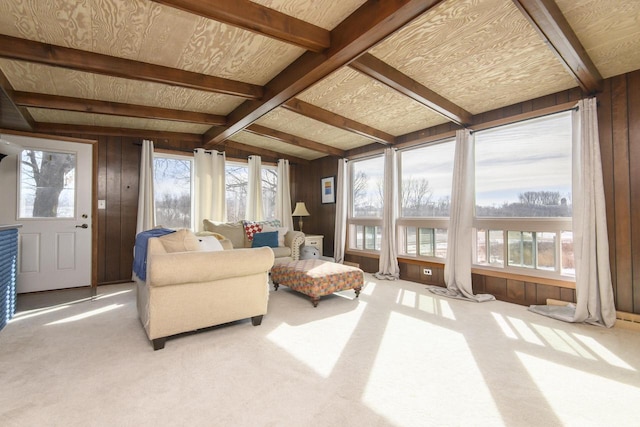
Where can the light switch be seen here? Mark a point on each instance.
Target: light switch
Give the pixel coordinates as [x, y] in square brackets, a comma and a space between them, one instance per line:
[102, 204]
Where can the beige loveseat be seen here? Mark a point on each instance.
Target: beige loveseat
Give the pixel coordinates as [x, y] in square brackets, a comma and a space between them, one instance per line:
[235, 232]
[189, 290]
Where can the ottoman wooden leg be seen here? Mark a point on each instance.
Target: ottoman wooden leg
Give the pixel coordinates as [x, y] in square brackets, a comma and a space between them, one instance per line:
[275, 286]
[357, 291]
[315, 301]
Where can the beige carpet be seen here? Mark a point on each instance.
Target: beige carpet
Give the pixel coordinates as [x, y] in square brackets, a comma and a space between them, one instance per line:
[396, 356]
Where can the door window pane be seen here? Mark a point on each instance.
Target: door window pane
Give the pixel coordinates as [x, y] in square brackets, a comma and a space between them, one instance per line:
[47, 182]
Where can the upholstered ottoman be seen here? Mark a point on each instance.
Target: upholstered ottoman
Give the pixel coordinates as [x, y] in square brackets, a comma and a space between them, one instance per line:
[316, 278]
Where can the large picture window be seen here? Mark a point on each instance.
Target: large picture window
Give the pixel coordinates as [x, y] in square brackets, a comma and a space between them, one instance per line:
[425, 187]
[523, 196]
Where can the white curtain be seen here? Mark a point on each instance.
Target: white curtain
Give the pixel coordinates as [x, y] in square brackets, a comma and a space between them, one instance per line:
[388, 263]
[254, 190]
[146, 207]
[342, 193]
[210, 189]
[283, 195]
[594, 291]
[457, 267]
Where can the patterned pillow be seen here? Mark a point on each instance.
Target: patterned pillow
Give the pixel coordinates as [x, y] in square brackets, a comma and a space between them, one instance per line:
[251, 228]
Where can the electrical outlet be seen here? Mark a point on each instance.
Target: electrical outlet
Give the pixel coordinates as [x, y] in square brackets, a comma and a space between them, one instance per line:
[427, 272]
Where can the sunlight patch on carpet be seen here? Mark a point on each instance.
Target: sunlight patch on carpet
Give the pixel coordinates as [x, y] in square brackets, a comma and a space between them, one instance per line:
[86, 314]
[524, 331]
[568, 391]
[319, 344]
[35, 313]
[417, 374]
[562, 341]
[604, 353]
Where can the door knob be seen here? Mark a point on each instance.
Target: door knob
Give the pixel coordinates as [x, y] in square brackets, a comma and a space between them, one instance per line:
[82, 226]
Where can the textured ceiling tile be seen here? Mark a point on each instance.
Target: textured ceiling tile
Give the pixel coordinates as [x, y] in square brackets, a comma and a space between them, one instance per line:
[229, 52]
[119, 26]
[479, 54]
[30, 77]
[348, 93]
[60, 22]
[609, 30]
[295, 124]
[161, 43]
[325, 14]
[272, 144]
[90, 119]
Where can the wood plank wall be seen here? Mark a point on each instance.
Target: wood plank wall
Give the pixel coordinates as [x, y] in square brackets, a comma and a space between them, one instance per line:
[619, 127]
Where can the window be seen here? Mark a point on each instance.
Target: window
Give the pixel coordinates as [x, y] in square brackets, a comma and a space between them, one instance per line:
[426, 174]
[173, 184]
[47, 184]
[366, 189]
[523, 196]
[237, 183]
[236, 179]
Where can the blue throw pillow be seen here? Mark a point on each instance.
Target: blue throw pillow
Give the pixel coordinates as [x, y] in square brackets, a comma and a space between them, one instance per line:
[269, 238]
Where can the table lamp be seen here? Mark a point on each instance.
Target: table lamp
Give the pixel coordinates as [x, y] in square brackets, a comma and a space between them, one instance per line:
[300, 211]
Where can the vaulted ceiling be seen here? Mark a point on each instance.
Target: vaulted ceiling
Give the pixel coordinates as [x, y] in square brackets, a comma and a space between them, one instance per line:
[301, 78]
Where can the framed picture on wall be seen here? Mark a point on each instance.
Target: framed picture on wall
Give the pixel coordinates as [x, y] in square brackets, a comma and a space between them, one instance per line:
[328, 189]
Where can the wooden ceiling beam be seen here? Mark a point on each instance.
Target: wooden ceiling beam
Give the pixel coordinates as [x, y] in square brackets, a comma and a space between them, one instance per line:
[294, 140]
[38, 100]
[258, 19]
[367, 26]
[547, 19]
[384, 73]
[313, 112]
[58, 56]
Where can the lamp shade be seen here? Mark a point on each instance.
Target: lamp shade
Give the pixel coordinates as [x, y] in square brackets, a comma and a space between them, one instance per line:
[300, 210]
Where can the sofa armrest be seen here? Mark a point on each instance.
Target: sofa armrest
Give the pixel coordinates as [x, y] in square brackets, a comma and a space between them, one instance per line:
[294, 239]
[194, 267]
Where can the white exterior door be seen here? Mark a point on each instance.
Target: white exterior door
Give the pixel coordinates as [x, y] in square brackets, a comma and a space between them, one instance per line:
[49, 188]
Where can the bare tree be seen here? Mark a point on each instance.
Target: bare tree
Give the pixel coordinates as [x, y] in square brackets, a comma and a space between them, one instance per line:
[416, 196]
[540, 198]
[360, 182]
[48, 171]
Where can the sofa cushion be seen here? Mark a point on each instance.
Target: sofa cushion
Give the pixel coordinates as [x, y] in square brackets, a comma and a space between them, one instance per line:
[269, 239]
[209, 244]
[181, 241]
[251, 228]
[282, 231]
[233, 231]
